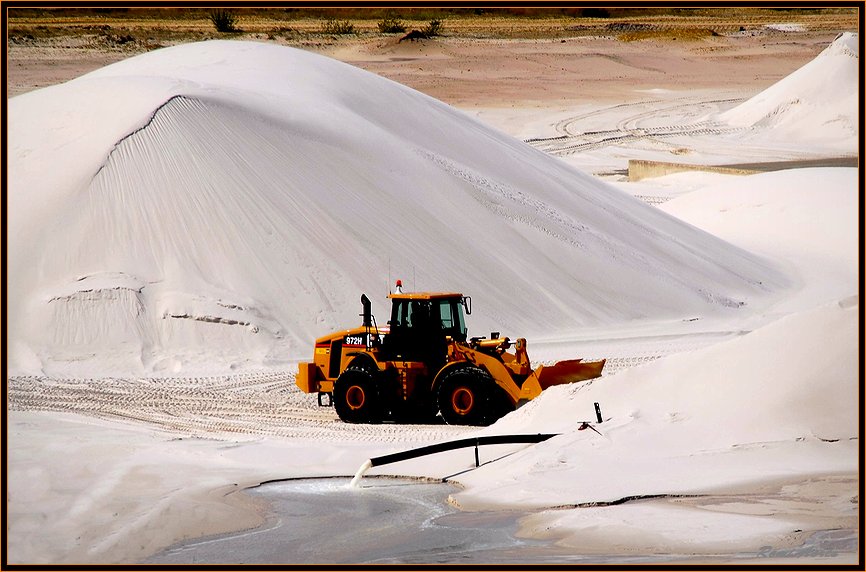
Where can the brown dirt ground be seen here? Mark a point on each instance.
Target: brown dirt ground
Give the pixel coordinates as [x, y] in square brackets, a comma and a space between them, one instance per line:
[489, 61]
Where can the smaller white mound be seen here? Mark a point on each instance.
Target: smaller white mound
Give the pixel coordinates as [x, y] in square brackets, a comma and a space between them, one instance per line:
[814, 230]
[818, 101]
[777, 402]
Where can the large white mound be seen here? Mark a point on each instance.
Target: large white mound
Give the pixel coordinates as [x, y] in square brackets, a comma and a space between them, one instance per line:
[819, 100]
[224, 203]
[780, 401]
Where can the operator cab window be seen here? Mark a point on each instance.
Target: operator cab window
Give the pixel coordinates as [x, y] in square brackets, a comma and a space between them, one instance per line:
[451, 318]
[409, 313]
[445, 317]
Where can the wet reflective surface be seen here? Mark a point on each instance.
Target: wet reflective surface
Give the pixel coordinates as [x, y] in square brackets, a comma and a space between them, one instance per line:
[382, 521]
[822, 544]
[392, 521]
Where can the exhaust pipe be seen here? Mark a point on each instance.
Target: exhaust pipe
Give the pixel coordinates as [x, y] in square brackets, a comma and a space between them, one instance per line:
[367, 314]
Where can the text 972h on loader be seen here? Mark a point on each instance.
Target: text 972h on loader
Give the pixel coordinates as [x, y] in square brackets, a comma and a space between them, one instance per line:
[422, 365]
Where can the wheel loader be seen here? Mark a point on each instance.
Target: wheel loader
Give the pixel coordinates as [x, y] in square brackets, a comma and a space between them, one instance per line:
[421, 365]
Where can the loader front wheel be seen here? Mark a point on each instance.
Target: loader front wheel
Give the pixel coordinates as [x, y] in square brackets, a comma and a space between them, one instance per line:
[464, 397]
[356, 397]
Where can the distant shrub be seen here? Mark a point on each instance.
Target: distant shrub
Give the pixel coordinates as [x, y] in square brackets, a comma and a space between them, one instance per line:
[338, 27]
[434, 28]
[224, 21]
[391, 25]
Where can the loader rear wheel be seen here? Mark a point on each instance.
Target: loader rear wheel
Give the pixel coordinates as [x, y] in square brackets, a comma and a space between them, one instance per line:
[464, 397]
[356, 397]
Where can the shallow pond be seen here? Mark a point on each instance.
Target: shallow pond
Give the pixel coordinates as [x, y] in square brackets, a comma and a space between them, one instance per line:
[382, 521]
[324, 521]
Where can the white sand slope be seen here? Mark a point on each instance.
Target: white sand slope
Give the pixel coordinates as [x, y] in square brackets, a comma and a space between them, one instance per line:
[815, 216]
[777, 402]
[819, 101]
[221, 204]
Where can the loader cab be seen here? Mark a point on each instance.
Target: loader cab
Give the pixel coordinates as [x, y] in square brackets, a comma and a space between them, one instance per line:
[421, 322]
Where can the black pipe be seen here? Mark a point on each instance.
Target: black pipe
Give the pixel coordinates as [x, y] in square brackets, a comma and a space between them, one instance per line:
[366, 314]
[459, 444]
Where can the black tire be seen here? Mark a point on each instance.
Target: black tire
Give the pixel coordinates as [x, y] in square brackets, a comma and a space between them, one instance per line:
[501, 405]
[356, 397]
[465, 397]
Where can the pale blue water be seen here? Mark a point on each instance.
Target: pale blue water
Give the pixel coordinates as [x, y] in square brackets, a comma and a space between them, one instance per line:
[393, 521]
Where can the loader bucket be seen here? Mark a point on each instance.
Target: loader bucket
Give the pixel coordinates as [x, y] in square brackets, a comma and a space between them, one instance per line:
[567, 371]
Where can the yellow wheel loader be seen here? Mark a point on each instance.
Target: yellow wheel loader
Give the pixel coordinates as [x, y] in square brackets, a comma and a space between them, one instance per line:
[421, 365]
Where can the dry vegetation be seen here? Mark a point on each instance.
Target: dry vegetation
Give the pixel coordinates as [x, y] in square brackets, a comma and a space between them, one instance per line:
[152, 26]
[49, 46]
